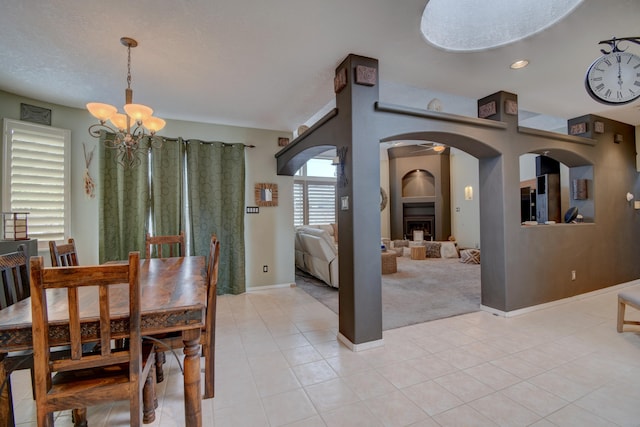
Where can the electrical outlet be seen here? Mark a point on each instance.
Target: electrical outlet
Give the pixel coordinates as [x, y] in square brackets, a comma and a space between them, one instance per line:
[265, 268]
[573, 275]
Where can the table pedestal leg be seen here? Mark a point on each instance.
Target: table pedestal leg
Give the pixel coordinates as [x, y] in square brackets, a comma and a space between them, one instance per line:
[192, 391]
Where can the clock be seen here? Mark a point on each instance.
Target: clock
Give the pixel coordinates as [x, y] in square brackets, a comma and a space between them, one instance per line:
[614, 78]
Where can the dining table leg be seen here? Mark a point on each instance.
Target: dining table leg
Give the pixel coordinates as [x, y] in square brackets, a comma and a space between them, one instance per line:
[6, 404]
[192, 391]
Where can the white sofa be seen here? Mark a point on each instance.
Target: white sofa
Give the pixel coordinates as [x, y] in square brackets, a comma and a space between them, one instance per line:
[316, 252]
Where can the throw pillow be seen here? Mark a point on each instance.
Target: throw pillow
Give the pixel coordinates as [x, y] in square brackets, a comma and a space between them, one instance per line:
[470, 256]
[448, 250]
[433, 249]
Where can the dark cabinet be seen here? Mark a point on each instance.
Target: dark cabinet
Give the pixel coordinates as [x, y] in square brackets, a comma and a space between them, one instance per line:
[548, 198]
[527, 204]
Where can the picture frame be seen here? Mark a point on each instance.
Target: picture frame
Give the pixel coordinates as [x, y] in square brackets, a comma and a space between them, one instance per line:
[266, 194]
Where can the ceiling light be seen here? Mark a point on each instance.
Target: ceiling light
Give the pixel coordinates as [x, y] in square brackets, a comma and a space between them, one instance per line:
[519, 64]
[128, 129]
[438, 148]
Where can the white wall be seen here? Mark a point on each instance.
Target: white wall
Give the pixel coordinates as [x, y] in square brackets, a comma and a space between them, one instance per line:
[465, 214]
[268, 235]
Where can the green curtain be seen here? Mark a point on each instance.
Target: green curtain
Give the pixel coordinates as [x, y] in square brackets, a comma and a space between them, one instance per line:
[166, 188]
[124, 200]
[216, 198]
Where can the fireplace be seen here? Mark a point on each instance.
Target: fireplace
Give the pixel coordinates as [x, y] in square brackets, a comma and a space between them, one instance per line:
[419, 223]
[419, 187]
[419, 216]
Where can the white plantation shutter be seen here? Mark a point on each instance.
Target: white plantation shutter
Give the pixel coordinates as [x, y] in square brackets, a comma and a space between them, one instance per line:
[36, 178]
[314, 202]
[314, 193]
[298, 204]
[322, 203]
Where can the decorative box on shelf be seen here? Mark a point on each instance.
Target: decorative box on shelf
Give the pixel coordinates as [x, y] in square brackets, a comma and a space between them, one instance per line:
[14, 226]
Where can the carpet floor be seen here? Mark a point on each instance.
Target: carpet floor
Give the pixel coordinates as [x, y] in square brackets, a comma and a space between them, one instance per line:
[421, 290]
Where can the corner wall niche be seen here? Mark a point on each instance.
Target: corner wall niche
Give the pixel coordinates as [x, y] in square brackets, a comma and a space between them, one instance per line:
[419, 196]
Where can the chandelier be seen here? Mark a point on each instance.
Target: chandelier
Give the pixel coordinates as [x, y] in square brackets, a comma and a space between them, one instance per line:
[130, 128]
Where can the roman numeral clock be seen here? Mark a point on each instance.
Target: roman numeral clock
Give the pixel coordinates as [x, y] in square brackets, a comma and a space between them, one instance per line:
[614, 78]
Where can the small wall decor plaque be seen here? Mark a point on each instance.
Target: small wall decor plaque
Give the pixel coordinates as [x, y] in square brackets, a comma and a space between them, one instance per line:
[486, 110]
[511, 107]
[598, 127]
[340, 80]
[578, 128]
[33, 114]
[366, 75]
[283, 141]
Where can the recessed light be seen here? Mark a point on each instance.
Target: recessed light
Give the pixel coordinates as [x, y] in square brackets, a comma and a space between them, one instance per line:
[519, 64]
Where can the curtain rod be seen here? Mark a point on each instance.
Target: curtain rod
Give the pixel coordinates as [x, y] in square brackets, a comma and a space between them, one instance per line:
[187, 141]
[225, 143]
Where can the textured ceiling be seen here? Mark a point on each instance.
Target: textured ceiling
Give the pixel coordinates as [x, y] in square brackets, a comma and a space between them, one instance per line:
[270, 64]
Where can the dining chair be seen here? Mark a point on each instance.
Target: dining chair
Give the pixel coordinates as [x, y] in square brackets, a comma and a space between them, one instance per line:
[208, 334]
[63, 255]
[14, 288]
[175, 243]
[86, 379]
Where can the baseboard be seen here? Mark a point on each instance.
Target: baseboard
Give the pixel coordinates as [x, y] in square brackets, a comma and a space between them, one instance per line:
[360, 347]
[264, 288]
[559, 302]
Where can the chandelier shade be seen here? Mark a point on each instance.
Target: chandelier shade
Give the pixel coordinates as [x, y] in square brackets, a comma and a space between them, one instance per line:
[100, 111]
[129, 128]
[119, 120]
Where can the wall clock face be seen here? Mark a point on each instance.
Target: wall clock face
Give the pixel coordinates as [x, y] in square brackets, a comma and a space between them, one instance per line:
[614, 78]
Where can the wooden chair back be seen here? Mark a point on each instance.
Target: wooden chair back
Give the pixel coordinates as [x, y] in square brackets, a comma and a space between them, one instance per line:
[14, 287]
[175, 244]
[84, 380]
[64, 255]
[15, 278]
[208, 336]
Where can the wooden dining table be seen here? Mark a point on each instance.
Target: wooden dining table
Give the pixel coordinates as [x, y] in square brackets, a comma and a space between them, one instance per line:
[174, 295]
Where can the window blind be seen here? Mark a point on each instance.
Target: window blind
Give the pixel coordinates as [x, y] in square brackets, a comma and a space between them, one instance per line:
[298, 204]
[322, 203]
[36, 178]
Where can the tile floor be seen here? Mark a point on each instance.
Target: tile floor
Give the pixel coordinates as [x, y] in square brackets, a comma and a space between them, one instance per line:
[279, 364]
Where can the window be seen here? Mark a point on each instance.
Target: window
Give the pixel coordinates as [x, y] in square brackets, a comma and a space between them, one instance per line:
[314, 193]
[36, 178]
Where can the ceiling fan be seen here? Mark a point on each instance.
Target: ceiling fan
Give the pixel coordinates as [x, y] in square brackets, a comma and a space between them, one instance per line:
[429, 146]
